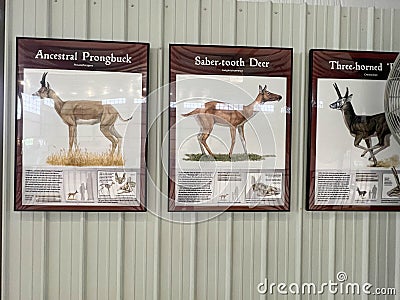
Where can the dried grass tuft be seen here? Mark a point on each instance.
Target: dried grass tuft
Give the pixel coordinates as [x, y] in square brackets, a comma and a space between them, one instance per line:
[388, 162]
[83, 158]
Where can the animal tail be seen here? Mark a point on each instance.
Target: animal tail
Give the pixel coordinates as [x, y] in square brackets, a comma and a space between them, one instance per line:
[125, 120]
[193, 112]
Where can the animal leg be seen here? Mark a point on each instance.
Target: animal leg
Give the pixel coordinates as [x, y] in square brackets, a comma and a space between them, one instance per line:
[105, 130]
[366, 150]
[233, 138]
[357, 144]
[115, 133]
[72, 137]
[199, 139]
[206, 124]
[204, 137]
[242, 139]
[386, 144]
[368, 143]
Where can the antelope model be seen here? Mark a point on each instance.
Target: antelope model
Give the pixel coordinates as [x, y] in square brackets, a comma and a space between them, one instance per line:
[88, 112]
[361, 193]
[218, 113]
[71, 196]
[363, 127]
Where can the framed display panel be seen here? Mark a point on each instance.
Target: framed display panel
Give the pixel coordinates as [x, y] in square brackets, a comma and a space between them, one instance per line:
[352, 159]
[230, 125]
[80, 125]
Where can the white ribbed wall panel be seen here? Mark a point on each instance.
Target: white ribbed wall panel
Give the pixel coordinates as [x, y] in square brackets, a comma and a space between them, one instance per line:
[96, 256]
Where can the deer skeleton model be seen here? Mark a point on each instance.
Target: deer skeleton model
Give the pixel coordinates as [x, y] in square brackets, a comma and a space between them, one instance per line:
[363, 127]
[218, 113]
[88, 112]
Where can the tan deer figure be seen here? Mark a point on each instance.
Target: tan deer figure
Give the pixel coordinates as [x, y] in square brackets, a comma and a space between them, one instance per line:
[220, 113]
[71, 196]
[77, 112]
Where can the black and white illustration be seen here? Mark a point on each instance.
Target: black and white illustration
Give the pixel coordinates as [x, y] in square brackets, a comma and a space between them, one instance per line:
[264, 186]
[116, 185]
[391, 185]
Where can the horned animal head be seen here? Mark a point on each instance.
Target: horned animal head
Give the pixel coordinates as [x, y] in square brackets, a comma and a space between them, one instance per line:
[44, 90]
[342, 100]
[267, 95]
[118, 179]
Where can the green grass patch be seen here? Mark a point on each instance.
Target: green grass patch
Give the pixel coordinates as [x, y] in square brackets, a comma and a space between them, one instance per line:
[225, 157]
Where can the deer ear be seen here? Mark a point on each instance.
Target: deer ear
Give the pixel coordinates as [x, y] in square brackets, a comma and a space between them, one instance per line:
[260, 88]
[265, 87]
[348, 98]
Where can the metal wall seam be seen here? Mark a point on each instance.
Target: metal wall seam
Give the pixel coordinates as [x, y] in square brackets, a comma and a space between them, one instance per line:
[156, 96]
[82, 257]
[299, 133]
[10, 242]
[332, 220]
[229, 37]
[120, 262]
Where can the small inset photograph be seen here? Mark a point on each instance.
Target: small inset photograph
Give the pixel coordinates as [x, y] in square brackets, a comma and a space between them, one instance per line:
[365, 186]
[229, 187]
[80, 186]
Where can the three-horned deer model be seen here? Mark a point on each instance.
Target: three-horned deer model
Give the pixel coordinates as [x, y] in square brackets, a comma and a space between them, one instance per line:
[363, 127]
[218, 113]
[77, 112]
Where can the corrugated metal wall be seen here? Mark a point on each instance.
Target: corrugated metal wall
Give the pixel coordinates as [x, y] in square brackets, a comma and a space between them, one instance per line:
[64, 255]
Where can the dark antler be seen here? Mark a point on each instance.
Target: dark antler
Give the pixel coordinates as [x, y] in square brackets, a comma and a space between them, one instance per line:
[43, 81]
[347, 92]
[337, 90]
[396, 177]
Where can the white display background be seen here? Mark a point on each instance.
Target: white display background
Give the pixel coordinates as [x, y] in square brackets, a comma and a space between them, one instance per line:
[45, 133]
[334, 144]
[265, 132]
